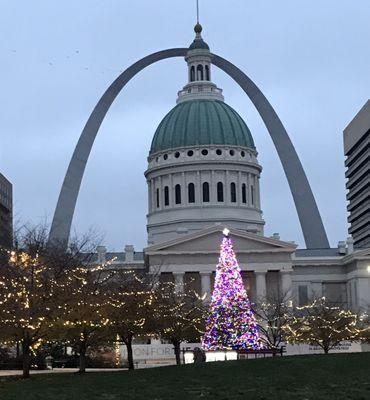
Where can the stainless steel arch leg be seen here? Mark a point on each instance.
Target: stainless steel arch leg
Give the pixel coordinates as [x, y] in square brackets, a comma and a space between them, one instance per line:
[309, 216]
[308, 213]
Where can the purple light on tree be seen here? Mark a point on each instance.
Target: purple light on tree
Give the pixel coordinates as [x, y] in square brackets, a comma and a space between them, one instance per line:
[231, 324]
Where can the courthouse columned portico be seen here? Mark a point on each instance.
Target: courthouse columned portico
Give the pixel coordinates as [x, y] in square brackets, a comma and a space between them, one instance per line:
[266, 263]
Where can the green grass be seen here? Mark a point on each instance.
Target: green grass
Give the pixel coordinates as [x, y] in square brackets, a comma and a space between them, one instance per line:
[339, 377]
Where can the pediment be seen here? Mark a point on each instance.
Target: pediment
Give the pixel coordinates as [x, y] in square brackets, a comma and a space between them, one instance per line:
[208, 241]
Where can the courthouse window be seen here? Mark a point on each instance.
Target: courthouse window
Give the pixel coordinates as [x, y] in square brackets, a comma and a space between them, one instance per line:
[191, 193]
[220, 192]
[205, 192]
[233, 192]
[302, 295]
[335, 292]
[244, 193]
[178, 194]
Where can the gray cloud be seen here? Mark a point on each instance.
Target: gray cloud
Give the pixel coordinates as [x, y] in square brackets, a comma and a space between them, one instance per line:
[310, 58]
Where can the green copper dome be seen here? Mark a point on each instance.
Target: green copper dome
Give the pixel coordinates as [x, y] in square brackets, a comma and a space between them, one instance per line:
[201, 122]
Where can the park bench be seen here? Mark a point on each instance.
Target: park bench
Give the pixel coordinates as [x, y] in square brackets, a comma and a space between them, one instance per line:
[262, 353]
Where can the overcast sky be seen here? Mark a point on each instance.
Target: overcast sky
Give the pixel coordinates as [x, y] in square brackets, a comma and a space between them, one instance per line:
[310, 58]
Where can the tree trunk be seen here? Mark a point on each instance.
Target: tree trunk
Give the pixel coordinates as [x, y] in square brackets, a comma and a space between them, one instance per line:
[326, 346]
[176, 345]
[130, 354]
[26, 358]
[82, 358]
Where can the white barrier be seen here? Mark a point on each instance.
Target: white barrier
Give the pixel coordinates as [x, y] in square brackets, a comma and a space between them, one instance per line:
[155, 352]
[344, 347]
[221, 355]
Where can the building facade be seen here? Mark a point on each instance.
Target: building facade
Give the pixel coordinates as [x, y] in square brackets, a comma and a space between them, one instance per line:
[202, 165]
[203, 175]
[6, 211]
[356, 138]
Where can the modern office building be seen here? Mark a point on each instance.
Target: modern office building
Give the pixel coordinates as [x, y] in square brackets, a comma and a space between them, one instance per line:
[6, 211]
[356, 139]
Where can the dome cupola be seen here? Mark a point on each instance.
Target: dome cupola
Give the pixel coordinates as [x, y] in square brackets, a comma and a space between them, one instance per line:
[198, 42]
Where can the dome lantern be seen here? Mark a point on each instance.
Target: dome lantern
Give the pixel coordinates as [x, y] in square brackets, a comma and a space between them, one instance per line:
[199, 60]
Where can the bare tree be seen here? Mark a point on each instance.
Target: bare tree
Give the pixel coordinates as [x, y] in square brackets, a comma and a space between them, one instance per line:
[273, 314]
[179, 316]
[37, 287]
[130, 308]
[364, 322]
[85, 323]
[32, 285]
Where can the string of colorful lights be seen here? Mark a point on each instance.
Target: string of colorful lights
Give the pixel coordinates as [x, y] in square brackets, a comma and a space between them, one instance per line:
[231, 324]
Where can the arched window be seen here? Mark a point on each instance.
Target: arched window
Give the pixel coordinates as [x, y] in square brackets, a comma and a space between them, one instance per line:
[191, 193]
[205, 192]
[157, 198]
[166, 196]
[233, 192]
[252, 195]
[199, 72]
[220, 192]
[192, 74]
[178, 194]
[207, 72]
[244, 193]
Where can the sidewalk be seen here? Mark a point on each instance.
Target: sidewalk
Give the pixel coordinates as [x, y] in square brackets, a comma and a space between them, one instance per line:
[58, 371]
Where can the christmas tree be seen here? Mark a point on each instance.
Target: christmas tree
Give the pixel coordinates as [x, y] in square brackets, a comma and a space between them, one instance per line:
[231, 324]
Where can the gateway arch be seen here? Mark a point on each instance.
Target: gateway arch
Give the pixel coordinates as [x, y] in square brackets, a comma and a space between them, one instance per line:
[309, 216]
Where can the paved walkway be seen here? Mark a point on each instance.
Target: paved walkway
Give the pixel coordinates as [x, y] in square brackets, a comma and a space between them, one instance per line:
[58, 371]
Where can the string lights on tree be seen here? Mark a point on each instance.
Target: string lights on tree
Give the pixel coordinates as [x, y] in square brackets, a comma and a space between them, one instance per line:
[231, 324]
[325, 325]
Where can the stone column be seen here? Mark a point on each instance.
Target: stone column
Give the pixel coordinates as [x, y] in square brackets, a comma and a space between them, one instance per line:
[260, 284]
[205, 278]
[227, 199]
[183, 190]
[161, 194]
[153, 196]
[258, 197]
[179, 281]
[248, 189]
[255, 191]
[286, 284]
[150, 198]
[171, 192]
[239, 189]
[212, 189]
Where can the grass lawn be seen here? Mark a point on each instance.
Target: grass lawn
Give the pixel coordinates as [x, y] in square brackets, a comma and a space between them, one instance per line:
[337, 376]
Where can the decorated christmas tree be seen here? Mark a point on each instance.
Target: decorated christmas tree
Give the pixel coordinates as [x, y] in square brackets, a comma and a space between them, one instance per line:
[231, 323]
